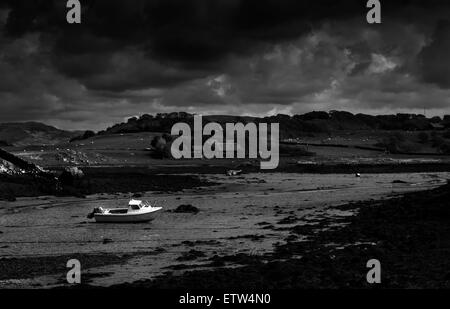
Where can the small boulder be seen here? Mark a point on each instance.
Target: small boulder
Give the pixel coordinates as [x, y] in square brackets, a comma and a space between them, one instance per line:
[399, 181]
[107, 241]
[191, 255]
[234, 172]
[70, 175]
[186, 208]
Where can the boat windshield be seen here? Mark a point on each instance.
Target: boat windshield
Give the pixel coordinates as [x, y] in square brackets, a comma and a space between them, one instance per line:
[137, 204]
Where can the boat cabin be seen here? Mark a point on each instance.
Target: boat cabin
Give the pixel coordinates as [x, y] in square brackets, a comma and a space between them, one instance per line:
[135, 205]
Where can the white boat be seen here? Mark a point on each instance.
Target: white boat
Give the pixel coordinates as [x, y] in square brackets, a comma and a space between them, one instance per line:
[137, 211]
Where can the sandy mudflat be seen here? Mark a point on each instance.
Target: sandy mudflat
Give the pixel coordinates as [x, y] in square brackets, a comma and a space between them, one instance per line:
[248, 215]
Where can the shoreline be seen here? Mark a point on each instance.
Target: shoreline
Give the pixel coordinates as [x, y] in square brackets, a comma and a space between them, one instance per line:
[168, 178]
[410, 232]
[220, 167]
[411, 242]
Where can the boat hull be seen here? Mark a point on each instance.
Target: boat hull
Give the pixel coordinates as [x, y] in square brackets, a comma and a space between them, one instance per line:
[125, 218]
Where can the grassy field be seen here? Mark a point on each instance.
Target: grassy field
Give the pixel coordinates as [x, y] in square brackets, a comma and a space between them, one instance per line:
[134, 149]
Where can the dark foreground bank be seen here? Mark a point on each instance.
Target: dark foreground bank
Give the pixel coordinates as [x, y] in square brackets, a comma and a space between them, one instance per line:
[97, 180]
[30, 267]
[409, 235]
[171, 178]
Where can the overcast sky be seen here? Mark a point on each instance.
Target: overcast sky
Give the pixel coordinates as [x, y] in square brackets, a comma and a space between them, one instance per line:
[240, 57]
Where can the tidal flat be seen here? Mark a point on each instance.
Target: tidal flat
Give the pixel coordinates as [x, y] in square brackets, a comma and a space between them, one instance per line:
[241, 220]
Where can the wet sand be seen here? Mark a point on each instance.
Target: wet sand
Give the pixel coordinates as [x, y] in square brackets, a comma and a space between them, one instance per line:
[408, 235]
[242, 219]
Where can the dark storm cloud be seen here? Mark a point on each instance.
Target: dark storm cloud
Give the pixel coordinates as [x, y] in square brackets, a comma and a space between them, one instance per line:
[191, 35]
[435, 65]
[194, 34]
[230, 56]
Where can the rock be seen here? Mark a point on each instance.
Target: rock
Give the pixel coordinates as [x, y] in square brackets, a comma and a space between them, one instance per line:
[288, 220]
[252, 237]
[70, 175]
[263, 223]
[211, 242]
[399, 181]
[187, 208]
[191, 255]
[75, 172]
[306, 229]
[234, 172]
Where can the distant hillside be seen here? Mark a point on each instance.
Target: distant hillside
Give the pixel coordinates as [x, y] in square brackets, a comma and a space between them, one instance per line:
[32, 133]
[291, 126]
